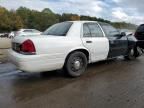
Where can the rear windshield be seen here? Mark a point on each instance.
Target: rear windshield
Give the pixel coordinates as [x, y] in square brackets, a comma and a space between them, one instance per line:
[140, 28]
[59, 29]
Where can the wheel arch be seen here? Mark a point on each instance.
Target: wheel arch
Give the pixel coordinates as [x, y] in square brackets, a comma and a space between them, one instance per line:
[85, 51]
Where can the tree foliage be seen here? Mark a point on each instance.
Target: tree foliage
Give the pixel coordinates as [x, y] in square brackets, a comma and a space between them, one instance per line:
[9, 20]
[122, 25]
[26, 18]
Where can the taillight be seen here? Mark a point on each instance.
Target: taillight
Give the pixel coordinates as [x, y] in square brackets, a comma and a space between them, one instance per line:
[27, 47]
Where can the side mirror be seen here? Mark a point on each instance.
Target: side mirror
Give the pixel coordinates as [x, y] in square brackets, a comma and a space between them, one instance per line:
[123, 34]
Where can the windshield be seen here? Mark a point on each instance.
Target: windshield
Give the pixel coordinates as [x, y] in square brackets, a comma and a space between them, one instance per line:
[59, 29]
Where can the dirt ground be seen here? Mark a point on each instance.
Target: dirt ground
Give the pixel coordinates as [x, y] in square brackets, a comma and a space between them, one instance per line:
[5, 44]
[108, 84]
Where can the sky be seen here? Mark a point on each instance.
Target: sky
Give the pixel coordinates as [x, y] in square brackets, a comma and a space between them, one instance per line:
[114, 10]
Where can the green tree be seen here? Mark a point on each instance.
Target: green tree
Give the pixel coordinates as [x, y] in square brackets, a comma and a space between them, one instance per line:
[4, 20]
[26, 18]
[15, 21]
[24, 13]
[47, 10]
[9, 20]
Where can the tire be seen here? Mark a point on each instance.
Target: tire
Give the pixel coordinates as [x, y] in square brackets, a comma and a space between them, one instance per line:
[133, 53]
[76, 64]
[138, 51]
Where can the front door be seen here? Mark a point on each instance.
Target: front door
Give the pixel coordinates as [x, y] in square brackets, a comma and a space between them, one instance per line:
[118, 44]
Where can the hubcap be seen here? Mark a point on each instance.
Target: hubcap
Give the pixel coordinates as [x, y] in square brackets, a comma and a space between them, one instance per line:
[132, 52]
[139, 50]
[77, 64]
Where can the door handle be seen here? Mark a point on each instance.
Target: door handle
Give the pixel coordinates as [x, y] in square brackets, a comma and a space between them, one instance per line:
[88, 41]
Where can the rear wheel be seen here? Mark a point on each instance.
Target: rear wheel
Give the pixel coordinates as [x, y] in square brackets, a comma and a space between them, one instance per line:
[76, 64]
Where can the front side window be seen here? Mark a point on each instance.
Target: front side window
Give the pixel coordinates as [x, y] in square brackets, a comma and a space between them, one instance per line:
[59, 29]
[109, 30]
[92, 30]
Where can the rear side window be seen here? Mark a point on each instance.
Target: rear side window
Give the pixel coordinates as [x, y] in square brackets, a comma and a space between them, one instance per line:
[140, 28]
[59, 29]
[92, 30]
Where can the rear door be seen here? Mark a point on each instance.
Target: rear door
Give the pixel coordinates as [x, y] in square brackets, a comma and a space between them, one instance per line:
[118, 44]
[93, 38]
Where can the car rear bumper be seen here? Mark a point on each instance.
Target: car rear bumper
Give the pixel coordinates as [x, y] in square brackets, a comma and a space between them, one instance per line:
[35, 63]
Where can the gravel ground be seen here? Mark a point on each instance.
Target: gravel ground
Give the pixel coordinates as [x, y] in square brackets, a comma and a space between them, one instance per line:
[5, 44]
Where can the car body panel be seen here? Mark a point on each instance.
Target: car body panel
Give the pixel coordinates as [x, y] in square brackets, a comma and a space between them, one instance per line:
[118, 46]
[24, 32]
[36, 63]
[98, 46]
[52, 51]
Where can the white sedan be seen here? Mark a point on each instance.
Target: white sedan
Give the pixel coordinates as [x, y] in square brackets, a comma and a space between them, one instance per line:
[71, 46]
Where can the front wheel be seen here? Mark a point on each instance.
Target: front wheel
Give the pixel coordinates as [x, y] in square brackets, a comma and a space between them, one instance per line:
[133, 53]
[76, 64]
